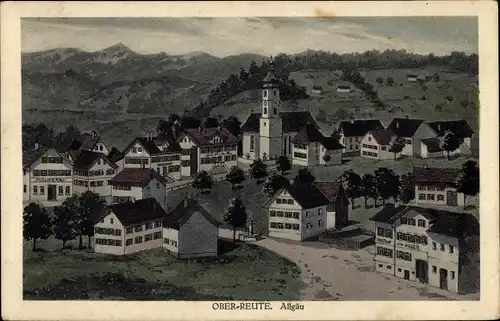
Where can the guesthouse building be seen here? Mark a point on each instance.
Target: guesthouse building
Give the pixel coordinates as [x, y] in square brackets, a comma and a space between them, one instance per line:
[352, 132]
[411, 132]
[311, 148]
[377, 144]
[437, 186]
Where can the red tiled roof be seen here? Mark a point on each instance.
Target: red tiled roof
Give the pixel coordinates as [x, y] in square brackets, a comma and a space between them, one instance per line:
[32, 155]
[137, 176]
[203, 137]
[330, 190]
[435, 175]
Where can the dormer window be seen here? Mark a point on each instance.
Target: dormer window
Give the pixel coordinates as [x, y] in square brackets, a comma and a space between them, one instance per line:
[275, 92]
[216, 140]
[275, 111]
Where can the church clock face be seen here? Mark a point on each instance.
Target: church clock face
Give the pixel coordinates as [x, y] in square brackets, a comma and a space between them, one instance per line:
[265, 103]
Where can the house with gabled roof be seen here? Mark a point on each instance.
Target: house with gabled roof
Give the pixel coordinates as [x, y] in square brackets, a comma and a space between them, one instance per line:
[159, 153]
[190, 231]
[310, 148]
[47, 175]
[437, 186]
[458, 127]
[352, 132]
[129, 227]
[436, 247]
[207, 149]
[411, 132]
[90, 141]
[133, 184]
[92, 172]
[269, 133]
[376, 144]
[300, 211]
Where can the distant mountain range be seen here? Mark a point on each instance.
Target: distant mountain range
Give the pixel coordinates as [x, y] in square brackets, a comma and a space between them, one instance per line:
[119, 79]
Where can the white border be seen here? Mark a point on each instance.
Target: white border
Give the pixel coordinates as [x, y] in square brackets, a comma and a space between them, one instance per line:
[14, 308]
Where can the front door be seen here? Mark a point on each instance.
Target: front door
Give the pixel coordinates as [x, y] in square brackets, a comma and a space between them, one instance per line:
[421, 269]
[51, 193]
[443, 279]
[407, 275]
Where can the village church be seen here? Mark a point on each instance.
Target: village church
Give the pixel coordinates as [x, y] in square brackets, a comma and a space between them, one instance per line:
[268, 134]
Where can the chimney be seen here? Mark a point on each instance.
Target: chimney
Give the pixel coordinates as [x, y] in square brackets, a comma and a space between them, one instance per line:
[37, 146]
[199, 129]
[406, 117]
[218, 128]
[93, 134]
[397, 124]
[439, 127]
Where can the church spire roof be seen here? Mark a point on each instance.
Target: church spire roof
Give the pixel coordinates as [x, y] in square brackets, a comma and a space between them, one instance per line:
[270, 80]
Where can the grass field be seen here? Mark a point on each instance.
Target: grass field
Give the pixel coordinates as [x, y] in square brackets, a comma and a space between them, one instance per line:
[153, 275]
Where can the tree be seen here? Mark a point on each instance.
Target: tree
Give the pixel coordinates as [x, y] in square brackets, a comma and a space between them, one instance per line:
[64, 226]
[352, 183]
[236, 215]
[233, 125]
[387, 183]
[389, 81]
[451, 142]
[468, 182]
[189, 122]
[36, 223]
[304, 176]
[164, 128]
[435, 77]
[202, 181]
[258, 170]
[90, 205]
[210, 122]
[380, 80]
[235, 176]
[407, 189]
[274, 183]
[327, 158]
[284, 164]
[396, 147]
[368, 188]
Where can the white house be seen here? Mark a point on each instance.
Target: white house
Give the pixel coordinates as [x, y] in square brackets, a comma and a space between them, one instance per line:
[343, 89]
[317, 90]
[411, 131]
[189, 231]
[377, 144]
[458, 127]
[310, 148]
[92, 172]
[133, 184]
[428, 245]
[301, 211]
[90, 141]
[207, 150]
[352, 132]
[437, 186]
[412, 77]
[160, 154]
[268, 134]
[129, 227]
[47, 175]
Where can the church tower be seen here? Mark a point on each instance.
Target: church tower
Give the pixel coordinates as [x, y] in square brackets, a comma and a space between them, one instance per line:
[270, 120]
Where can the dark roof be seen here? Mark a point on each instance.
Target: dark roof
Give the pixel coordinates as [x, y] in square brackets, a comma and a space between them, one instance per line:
[383, 136]
[292, 121]
[75, 145]
[31, 155]
[442, 222]
[317, 87]
[151, 145]
[138, 176]
[343, 87]
[405, 127]
[270, 80]
[330, 190]
[204, 137]
[115, 155]
[433, 144]
[435, 175]
[459, 127]
[84, 159]
[130, 213]
[359, 127]
[89, 140]
[183, 211]
[308, 195]
[311, 133]
[411, 75]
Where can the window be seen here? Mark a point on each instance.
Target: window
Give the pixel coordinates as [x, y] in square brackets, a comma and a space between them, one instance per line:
[138, 240]
[307, 214]
[434, 246]
[383, 148]
[319, 211]
[157, 235]
[434, 269]
[138, 228]
[35, 190]
[272, 213]
[320, 223]
[265, 112]
[129, 242]
[411, 221]
[380, 265]
[279, 213]
[278, 200]
[42, 190]
[288, 214]
[118, 232]
[149, 226]
[111, 221]
[252, 143]
[388, 267]
[404, 220]
[405, 256]
[388, 233]
[288, 226]
[290, 201]
[442, 247]
[380, 231]
[384, 251]
[148, 237]
[296, 215]
[452, 275]
[308, 226]
[24, 190]
[440, 197]
[158, 224]
[166, 240]
[421, 223]
[421, 197]
[295, 226]
[430, 197]
[60, 190]
[451, 249]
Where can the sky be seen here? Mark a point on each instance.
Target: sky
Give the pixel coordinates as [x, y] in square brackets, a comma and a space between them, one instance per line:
[266, 36]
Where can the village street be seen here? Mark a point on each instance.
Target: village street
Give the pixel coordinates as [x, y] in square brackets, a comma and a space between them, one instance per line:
[334, 274]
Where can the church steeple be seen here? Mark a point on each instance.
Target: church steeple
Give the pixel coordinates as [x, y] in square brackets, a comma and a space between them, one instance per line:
[270, 80]
[270, 93]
